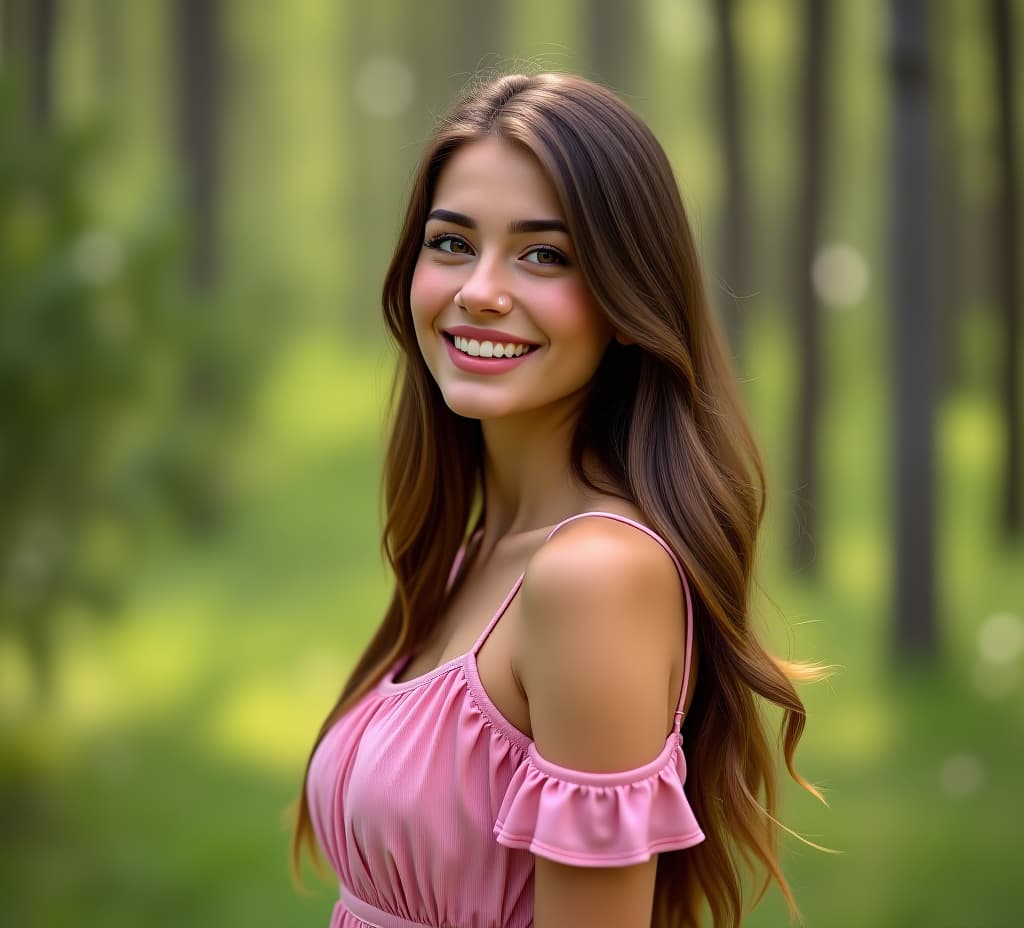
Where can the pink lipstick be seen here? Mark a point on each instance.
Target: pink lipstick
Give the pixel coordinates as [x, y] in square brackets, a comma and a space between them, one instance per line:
[473, 365]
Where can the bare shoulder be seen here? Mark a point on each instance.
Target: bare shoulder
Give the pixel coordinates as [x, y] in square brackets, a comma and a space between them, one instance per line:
[598, 557]
[602, 621]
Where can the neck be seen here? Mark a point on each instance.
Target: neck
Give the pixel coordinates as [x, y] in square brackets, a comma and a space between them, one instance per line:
[528, 479]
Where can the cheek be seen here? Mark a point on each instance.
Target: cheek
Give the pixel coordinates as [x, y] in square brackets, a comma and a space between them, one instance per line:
[429, 292]
[575, 313]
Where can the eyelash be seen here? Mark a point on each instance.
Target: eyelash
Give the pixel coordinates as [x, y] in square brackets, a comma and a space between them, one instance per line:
[437, 240]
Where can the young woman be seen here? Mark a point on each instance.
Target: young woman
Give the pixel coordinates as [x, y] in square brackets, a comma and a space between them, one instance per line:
[573, 498]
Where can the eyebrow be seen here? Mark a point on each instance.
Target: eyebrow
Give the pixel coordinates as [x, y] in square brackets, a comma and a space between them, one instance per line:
[518, 227]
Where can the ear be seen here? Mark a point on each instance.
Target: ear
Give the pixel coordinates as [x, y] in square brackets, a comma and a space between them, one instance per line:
[621, 339]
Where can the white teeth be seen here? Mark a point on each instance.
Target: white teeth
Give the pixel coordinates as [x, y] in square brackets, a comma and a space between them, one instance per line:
[477, 349]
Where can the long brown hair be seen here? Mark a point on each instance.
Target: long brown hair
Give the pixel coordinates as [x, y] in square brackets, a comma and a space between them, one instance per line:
[663, 418]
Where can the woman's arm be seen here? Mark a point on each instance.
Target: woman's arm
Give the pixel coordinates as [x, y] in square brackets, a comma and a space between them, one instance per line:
[600, 897]
[602, 626]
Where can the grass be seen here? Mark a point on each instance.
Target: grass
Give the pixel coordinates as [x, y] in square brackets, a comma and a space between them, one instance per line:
[151, 789]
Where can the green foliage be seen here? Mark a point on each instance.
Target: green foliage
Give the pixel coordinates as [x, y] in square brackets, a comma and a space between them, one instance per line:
[113, 391]
[149, 789]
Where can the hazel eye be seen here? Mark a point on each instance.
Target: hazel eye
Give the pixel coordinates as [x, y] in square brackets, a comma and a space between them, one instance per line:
[449, 244]
[547, 257]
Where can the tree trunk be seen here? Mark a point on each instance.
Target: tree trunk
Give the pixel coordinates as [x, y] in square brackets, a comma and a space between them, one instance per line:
[43, 15]
[477, 46]
[1008, 255]
[810, 385]
[10, 26]
[913, 336]
[948, 264]
[610, 28]
[735, 240]
[198, 23]
[28, 28]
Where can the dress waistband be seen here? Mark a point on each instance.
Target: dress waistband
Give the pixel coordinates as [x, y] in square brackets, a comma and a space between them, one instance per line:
[370, 914]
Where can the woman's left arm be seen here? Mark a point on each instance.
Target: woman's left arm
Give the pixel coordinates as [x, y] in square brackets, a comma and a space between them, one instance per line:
[602, 623]
[601, 897]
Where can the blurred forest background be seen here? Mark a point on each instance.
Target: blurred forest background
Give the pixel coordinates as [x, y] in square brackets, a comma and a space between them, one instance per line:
[197, 202]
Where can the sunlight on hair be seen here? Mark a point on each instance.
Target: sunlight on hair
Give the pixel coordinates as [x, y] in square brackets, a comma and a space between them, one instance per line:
[807, 671]
[801, 838]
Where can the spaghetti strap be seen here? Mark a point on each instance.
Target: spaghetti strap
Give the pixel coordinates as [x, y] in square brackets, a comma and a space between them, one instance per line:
[497, 615]
[682, 576]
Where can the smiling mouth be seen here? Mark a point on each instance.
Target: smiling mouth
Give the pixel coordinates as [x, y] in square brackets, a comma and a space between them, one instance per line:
[475, 348]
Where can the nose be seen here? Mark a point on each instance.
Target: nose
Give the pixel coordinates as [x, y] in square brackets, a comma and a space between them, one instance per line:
[485, 290]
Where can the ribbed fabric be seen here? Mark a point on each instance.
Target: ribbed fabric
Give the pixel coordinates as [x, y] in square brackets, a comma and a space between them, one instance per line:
[430, 805]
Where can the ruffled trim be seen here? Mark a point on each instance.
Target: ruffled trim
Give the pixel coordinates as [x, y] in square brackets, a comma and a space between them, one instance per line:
[599, 819]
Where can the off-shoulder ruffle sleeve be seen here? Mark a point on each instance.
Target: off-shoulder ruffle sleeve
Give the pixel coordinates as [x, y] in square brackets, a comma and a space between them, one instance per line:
[598, 819]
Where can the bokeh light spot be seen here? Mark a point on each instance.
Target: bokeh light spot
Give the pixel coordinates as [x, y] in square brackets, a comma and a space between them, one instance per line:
[1001, 638]
[840, 275]
[683, 27]
[972, 431]
[961, 775]
[384, 86]
[97, 257]
[858, 565]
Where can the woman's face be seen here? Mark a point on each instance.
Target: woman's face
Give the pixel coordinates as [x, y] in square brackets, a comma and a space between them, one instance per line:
[498, 268]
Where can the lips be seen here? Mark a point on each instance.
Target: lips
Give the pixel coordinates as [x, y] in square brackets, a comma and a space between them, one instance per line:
[484, 365]
[488, 335]
[488, 349]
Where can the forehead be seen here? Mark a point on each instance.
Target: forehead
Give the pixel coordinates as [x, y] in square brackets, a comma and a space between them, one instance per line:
[494, 176]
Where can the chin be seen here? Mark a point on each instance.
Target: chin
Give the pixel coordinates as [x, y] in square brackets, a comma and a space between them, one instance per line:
[471, 402]
[470, 409]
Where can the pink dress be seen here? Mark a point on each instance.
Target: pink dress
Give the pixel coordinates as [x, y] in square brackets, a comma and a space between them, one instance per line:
[430, 805]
